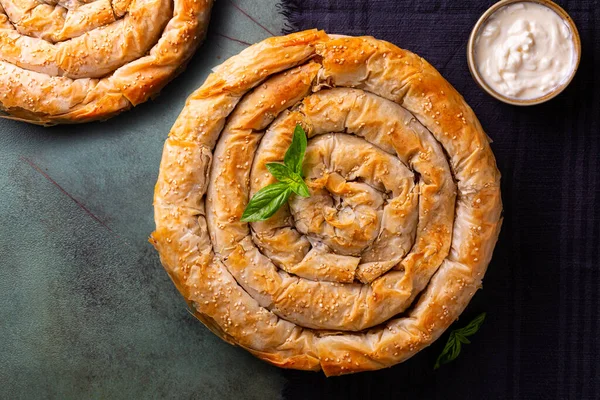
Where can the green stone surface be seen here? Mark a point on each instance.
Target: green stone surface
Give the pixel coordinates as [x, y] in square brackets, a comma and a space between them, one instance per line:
[86, 309]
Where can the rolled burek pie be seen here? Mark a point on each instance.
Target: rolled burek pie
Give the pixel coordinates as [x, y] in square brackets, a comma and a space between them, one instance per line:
[69, 61]
[392, 242]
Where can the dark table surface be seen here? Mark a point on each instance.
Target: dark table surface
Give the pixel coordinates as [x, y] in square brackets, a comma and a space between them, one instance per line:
[86, 310]
[542, 289]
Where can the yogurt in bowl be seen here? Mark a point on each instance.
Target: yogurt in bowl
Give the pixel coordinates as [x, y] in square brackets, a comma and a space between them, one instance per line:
[524, 52]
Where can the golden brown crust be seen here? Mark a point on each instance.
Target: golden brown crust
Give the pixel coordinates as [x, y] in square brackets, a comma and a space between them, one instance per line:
[72, 61]
[405, 203]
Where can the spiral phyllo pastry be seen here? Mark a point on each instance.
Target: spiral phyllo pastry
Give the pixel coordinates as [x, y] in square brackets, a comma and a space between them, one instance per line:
[68, 61]
[402, 218]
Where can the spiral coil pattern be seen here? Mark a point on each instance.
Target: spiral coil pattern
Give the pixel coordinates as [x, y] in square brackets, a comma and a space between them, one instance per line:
[400, 226]
[66, 61]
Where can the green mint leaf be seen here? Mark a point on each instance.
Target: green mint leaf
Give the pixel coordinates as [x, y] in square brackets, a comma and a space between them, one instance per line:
[456, 339]
[295, 154]
[266, 202]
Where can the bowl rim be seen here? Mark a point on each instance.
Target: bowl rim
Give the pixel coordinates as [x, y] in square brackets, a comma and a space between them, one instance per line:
[522, 102]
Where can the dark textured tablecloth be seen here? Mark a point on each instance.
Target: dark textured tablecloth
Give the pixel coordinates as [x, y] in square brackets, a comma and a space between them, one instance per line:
[541, 291]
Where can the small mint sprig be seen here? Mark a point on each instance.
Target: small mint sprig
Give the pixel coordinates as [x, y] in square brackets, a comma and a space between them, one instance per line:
[457, 338]
[267, 200]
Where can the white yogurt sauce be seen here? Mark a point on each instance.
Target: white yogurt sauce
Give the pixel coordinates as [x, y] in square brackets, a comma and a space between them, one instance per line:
[524, 51]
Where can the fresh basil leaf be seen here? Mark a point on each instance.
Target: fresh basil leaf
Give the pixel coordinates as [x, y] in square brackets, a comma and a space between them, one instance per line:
[289, 174]
[266, 202]
[448, 349]
[282, 173]
[463, 339]
[455, 351]
[295, 154]
[472, 326]
[300, 188]
[285, 175]
[456, 339]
